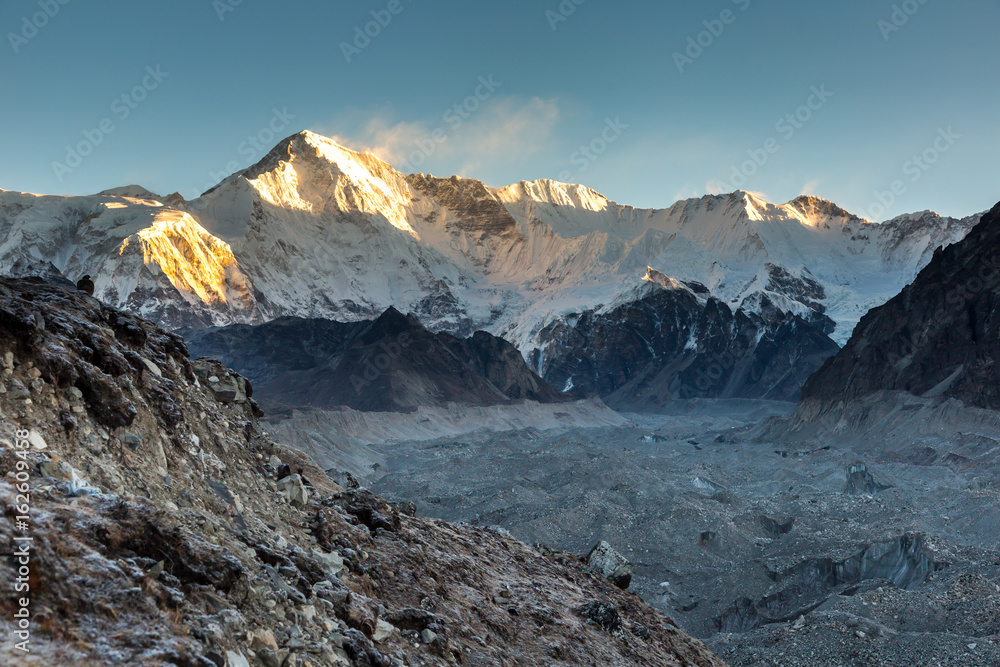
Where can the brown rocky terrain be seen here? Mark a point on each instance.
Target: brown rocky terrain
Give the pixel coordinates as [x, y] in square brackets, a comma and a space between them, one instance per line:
[168, 528]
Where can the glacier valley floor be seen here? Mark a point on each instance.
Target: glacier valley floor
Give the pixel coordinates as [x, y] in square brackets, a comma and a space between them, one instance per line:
[850, 546]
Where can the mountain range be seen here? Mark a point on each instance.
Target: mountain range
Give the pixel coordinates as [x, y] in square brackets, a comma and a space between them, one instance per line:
[317, 231]
[380, 317]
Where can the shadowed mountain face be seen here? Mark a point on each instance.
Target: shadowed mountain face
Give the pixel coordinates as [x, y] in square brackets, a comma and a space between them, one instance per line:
[671, 344]
[390, 364]
[939, 337]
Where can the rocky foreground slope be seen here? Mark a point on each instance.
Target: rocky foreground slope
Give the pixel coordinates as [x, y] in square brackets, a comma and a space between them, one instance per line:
[940, 337]
[168, 528]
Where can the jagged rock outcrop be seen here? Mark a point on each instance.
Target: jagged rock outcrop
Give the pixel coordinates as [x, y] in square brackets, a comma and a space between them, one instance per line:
[164, 531]
[860, 480]
[474, 210]
[610, 564]
[390, 364]
[672, 344]
[940, 337]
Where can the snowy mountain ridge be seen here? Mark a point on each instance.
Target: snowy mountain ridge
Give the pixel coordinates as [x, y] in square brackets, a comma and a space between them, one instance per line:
[318, 230]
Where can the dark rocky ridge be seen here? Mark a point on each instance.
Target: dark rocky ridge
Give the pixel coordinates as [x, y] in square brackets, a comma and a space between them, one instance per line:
[169, 529]
[103, 353]
[390, 364]
[668, 344]
[940, 337]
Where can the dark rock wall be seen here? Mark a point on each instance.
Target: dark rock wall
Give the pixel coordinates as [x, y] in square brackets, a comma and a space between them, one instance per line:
[668, 345]
[939, 337]
[389, 364]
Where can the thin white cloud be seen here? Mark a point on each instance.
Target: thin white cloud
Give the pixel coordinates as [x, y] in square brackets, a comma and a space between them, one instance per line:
[390, 142]
[687, 192]
[502, 128]
[714, 187]
[810, 188]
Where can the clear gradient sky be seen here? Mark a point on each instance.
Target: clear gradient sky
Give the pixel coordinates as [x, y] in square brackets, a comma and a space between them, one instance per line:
[678, 126]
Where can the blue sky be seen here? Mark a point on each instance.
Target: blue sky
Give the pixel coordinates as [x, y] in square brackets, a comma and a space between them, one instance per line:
[168, 95]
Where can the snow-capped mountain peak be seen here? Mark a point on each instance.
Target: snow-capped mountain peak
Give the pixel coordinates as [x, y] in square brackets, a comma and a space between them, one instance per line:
[318, 230]
[308, 172]
[553, 192]
[813, 209]
[132, 192]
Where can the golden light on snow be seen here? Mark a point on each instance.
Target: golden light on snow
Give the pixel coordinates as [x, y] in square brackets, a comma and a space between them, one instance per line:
[350, 185]
[194, 261]
[555, 193]
[793, 212]
[368, 193]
